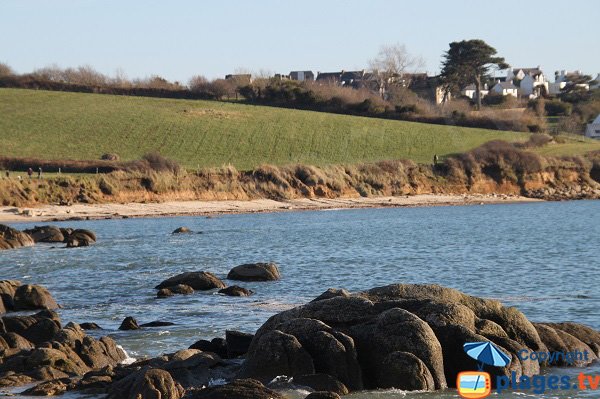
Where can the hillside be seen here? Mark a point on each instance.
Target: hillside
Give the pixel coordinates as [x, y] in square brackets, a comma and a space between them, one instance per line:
[54, 125]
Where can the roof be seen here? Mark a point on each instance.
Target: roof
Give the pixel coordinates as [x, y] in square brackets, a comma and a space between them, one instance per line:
[329, 75]
[529, 71]
[597, 120]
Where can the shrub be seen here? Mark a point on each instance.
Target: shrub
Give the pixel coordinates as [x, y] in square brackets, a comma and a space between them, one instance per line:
[558, 108]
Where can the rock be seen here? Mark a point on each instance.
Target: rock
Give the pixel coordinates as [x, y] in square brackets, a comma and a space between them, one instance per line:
[191, 358]
[181, 230]
[235, 290]
[332, 293]
[49, 388]
[557, 340]
[237, 343]
[255, 272]
[48, 234]
[31, 297]
[7, 293]
[585, 334]
[199, 281]
[146, 383]
[80, 238]
[217, 345]
[276, 353]
[90, 326]
[12, 238]
[321, 383]
[238, 389]
[129, 323]
[323, 395]
[404, 371]
[157, 324]
[404, 336]
[164, 293]
[176, 289]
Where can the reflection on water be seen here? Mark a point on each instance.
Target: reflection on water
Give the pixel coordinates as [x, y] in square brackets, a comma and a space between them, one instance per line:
[538, 257]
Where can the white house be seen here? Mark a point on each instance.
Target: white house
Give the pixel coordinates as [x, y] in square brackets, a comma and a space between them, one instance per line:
[469, 91]
[561, 78]
[506, 89]
[593, 129]
[532, 82]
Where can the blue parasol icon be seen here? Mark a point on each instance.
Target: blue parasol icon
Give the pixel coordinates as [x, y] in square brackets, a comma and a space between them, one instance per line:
[486, 353]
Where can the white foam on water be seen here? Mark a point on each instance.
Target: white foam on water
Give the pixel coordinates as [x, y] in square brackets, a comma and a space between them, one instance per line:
[217, 381]
[128, 359]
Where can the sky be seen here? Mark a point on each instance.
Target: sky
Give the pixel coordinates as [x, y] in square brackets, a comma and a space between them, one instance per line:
[177, 39]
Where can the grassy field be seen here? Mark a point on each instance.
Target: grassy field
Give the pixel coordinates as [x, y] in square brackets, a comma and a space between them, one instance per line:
[55, 125]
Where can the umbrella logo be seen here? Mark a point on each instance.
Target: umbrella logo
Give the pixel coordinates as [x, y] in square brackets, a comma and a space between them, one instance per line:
[478, 384]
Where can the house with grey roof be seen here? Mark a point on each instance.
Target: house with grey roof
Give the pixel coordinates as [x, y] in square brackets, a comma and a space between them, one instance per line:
[506, 89]
[302, 75]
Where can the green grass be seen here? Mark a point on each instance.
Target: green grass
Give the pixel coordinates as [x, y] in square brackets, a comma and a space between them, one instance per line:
[54, 125]
[569, 145]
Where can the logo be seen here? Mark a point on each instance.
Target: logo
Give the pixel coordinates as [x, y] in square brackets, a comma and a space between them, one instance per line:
[478, 384]
[474, 384]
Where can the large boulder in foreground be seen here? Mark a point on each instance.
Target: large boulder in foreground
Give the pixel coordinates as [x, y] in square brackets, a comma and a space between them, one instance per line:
[40, 350]
[199, 281]
[405, 336]
[12, 238]
[255, 272]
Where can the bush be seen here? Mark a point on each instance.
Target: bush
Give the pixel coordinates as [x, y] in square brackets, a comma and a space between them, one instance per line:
[558, 108]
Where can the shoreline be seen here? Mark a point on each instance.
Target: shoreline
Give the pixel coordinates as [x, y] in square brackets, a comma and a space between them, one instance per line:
[55, 213]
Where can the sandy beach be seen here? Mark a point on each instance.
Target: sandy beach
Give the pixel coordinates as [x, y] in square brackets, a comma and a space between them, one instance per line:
[47, 213]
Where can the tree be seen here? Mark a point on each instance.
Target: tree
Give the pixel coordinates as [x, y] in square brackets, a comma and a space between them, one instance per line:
[393, 61]
[5, 70]
[468, 62]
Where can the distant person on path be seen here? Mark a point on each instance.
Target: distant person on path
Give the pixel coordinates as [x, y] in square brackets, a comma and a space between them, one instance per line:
[435, 159]
[30, 172]
[8, 174]
[40, 172]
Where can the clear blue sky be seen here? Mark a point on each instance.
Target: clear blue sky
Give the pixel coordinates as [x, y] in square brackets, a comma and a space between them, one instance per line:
[178, 39]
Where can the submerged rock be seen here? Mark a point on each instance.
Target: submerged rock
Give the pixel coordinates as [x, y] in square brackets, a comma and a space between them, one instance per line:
[199, 281]
[176, 289]
[405, 336]
[255, 272]
[181, 230]
[236, 290]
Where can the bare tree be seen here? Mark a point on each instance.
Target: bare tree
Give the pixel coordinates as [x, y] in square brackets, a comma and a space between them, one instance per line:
[5, 70]
[199, 84]
[392, 63]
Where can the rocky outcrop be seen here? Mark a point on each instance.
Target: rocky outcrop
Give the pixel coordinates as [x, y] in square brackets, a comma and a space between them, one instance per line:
[12, 238]
[199, 281]
[49, 234]
[37, 348]
[181, 230]
[16, 297]
[404, 336]
[239, 389]
[255, 272]
[237, 343]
